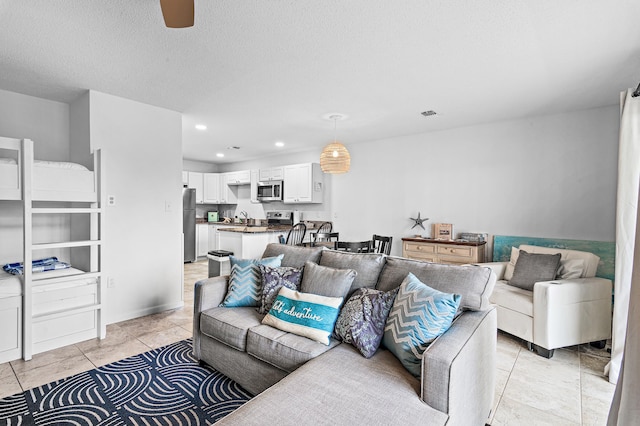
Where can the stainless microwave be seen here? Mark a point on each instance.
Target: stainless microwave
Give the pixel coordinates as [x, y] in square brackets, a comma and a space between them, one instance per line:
[270, 191]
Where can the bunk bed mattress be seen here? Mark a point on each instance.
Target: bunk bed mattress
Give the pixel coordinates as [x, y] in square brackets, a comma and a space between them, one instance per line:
[54, 181]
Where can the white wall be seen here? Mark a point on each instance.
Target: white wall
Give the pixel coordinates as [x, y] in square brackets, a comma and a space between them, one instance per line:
[199, 166]
[47, 124]
[142, 146]
[549, 176]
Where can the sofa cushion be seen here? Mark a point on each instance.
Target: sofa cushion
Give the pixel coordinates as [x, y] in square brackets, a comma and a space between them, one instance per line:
[570, 269]
[569, 261]
[326, 281]
[229, 325]
[304, 314]
[473, 283]
[367, 265]
[419, 315]
[534, 267]
[513, 298]
[275, 278]
[341, 387]
[363, 317]
[281, 349]
[294, 256]
[245, 281]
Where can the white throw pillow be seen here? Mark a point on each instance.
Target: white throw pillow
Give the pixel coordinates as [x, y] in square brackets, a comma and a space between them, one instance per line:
[508, 273]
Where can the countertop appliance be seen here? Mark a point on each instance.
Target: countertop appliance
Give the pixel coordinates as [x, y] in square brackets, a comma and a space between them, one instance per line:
[212, 217]
[270, 191]
[189, 223]
[279, 217]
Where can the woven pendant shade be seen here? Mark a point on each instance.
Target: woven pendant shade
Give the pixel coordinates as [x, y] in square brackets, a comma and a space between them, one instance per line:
[335, 158]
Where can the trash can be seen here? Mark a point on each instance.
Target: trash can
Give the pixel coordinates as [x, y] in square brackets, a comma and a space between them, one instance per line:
[219, 262]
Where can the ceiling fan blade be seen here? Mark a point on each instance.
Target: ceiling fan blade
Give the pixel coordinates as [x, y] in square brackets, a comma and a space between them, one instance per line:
[177, 13]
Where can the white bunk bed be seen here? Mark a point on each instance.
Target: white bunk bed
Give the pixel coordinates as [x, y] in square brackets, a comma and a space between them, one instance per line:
[46, 310]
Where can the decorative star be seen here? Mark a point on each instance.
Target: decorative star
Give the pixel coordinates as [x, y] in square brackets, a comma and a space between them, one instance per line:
[418, 221]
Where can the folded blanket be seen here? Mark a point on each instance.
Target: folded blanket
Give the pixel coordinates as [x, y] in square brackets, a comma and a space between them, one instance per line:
[38, 265]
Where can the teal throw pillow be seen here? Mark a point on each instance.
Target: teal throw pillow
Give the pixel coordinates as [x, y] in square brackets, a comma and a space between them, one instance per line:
[305, 314]
[419, 315]
[245, 281]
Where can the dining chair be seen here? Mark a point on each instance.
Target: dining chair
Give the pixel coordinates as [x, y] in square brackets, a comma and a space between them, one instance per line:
[380, 244]
[325, 228]
[296, 234]
[353, 246]
[325, 237]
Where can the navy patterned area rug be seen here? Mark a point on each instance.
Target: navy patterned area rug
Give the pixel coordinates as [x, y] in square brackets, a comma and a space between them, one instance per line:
[165, 386]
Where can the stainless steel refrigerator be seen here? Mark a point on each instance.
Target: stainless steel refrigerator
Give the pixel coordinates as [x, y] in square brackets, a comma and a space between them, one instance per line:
[189, 223]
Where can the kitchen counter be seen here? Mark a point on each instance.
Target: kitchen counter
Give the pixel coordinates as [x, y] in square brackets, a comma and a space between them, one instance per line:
[256, 229]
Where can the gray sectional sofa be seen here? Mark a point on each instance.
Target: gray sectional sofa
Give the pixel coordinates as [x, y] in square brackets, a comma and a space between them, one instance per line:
[299, 381]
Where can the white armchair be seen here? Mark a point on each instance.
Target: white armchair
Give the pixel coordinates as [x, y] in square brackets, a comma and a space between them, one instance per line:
[557, 313]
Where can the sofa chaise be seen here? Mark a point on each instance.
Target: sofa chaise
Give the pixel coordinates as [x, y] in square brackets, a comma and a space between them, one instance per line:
[297, 380]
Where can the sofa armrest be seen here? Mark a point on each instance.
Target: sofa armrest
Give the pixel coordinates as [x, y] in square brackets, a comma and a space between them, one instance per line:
[209, 293]
[571, 312]
[458, 369]
[498, 268]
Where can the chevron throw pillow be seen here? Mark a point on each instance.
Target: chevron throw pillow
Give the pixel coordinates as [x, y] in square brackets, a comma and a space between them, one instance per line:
[245, 281]
[419, 315]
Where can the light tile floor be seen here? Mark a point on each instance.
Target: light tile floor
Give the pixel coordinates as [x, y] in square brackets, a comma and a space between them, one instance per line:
[568, 389]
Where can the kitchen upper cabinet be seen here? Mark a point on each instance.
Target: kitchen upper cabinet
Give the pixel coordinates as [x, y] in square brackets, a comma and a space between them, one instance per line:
[185, 179]
[303, 183]
[211, 188]
[227, 195]
[274, 173]
[242, 177]
[195, 181]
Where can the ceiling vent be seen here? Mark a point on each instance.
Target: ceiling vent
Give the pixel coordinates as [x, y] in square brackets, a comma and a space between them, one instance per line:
[428, 113]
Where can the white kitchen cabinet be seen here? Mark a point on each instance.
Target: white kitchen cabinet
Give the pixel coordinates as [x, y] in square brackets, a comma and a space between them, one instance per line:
[202, 239]
[303, 183]
[253, 196]
[196, 182]
[227, 193]
[211, 188]
[185, 179]
[241, 177]
[274, 173]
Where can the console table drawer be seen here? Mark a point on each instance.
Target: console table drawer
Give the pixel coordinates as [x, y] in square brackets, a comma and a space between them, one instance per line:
[420, 248]
[439, 251]
[455, 251]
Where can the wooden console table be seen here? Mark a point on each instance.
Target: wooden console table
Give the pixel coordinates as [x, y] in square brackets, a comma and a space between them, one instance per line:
[441, 251]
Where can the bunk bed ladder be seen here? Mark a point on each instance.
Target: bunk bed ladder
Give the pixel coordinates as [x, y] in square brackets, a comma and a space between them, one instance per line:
[94, 244]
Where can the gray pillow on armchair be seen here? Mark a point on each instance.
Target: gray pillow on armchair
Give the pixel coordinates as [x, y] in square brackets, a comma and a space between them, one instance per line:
[534, 267]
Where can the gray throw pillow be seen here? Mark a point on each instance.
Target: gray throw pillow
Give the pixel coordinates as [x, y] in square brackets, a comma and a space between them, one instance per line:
[534, 267]
[325, 281]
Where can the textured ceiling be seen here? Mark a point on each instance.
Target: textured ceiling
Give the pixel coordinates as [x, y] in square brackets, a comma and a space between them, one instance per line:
[258, 71]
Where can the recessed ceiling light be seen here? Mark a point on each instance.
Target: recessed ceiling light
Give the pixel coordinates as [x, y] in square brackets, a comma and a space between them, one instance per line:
[279, 144]
[220, 155]
[201, 127]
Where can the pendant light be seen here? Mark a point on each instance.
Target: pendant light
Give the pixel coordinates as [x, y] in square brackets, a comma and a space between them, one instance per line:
[335, 157]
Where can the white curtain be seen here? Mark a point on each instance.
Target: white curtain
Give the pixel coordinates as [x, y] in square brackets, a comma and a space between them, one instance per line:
[624, 368]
